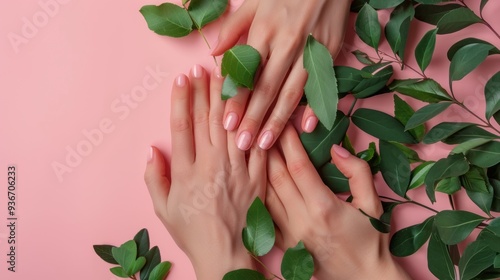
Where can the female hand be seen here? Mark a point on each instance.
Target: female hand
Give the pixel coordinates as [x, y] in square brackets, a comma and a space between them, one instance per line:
[341, 239]
[203, 196]
[278, 29]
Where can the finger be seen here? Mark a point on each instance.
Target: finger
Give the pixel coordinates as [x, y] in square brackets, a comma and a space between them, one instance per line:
[218, 135]
[156, 178]
[276, 207]
[201, 108]
[235, 108]
[257, 169]
[288, 99]
[236, 156]
[235, 26]
[280, 240]
[180, 122]
[309, 120]
[360, 181]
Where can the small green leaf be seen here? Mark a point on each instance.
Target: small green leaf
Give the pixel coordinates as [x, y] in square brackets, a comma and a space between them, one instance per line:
[395, 168]
[457, 19]
[246, 274]
[126, 255]
[426, 90]
[203, 12]
[467, 59]
[104, 252]
[467, 41]
[348, 78]
[118, 271]
[432, 14]
[491, 235]
[455, 225]
[410, 154]
[318, 143]
[161, 270]
[492, 95]
[467, 134]
[346, 144]
[449, 185]
[465, 146]
[443, 131]
[407, 241]
[297, 263]
[425, 49]
[380, 226]
[373, 85]
[398, 27]
[403, 113]
[483, 200]
[371, 156]
[438, 258]
[229, 88]
[363, 57]
[137, 265]
[142, 241]
[153, 258]
[382, 126]
[241, 63]
[495, 204]
[419, 173]
[476, 258]
[426, 113]
[333, 178]
[258, 235]
[474, 180]
[321, 86]
[452, 166]
[167, 19]
[368, 27]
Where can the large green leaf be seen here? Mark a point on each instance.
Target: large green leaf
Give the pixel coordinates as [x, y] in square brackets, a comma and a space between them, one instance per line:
[409, 153]
[491, 235]
[467, 134]
[455, 225]
[126, 255]
[241, 63]
[407, 241]
[456, 20]
[258, 235]
[403, 113]
[467, 59]
[104, 252]
[483, 200]
[492, 95]
[385, 4]
[382, 126]
[449, 185]
[452, 166]
[432, 14]
[438, 258]
[475, 180]
[229, 88]
[348, 77]
[371, 86]
[419, 173]
[467, 41]
[203, 12]
[153, 258]
[477, 257]
[333, 178]
[395, 168]
[246, 274]
[368, 27]
[398, 27]
[321, 86]
[167, 19]
[443, 131]
[425, 49]
[142, 241]
[137, 266]
[320, 141]
[160, 271]
[426, 90]
[426, 113]
[297, 263]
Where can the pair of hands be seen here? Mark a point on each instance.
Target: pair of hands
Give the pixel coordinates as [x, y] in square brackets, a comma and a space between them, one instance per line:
[202, 198]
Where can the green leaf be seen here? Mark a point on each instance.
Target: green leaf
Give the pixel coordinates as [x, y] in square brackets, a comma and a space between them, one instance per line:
[432, 14]
[419, 173]
[318, 143]
[142, 241]
[403, 112]
[426, 90]
[363, 57]
[465, 146]
[407, 241]
[483, 3]
[203, 12]
[126, 255]
[385, 4]
[425, 49]
[104, 252]
[475, 180]
[426, 113]
[348, 78]
[496, 262]
[495, 205]
[483, 200]
[333, 178]
[395, 168]
[161, 270]
[241, 63]
[491, 235]
[398, 27]
[371, 86]
[297, 263]
[410, 154]
[443, 131]
[371, 156]
[449, 185]
[388, 209]
[452, 166]
[229, 88]
[431, 1]
[438, 258]
[467, 41]
[455, 225]
[492, 95]
[153, 258]
[368, 27]
[321, 86]
[382, 126]
[137, 265]
[476, 258]
[467, 134]
[167, 19]
[346, 144]
[258, 235]
[118, 271]
[467, 59]
[246, 274]
[356, 5]
[381, 226]
[456, 20]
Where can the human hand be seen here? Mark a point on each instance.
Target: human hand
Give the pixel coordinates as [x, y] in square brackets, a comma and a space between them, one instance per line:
[203, 196]
[341, 239]
[278, 29]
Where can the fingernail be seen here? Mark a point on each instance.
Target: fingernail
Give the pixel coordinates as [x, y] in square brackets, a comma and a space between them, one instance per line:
[311, 123]
[244, 141]
[341, 152]
[266, 140]
[181, 81]
[150, 154]
[197, 71]
[217, 72]
[231, 121]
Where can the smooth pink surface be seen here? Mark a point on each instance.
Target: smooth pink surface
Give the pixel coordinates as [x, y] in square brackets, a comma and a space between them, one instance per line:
[94, 65]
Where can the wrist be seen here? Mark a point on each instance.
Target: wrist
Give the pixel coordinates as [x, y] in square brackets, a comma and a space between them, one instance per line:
[217, 265]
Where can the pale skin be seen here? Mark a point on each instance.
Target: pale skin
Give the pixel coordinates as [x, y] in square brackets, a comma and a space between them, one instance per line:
[280, 86]
[203, 196]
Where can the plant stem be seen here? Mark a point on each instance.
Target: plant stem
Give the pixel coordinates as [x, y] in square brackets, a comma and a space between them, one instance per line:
[402, 63]
[452, 204]
[410, 201]
[265, 267]
[352, 107]
[490, 27]
[201, 33]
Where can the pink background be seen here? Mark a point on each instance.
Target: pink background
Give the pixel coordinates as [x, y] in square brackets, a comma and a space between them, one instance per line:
[85, 66]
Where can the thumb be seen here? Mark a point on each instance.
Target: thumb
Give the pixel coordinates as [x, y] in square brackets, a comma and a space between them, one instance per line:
[358, 172]
[156, 177]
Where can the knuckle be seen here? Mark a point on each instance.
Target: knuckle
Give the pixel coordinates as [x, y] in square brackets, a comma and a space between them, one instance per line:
[200, 118]
[277, 179]
[292, 95]
[265, 90]
[180, 124]
[298, 167]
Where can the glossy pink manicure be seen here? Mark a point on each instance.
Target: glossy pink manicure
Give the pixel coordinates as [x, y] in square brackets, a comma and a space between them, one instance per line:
[231, 121]
[266, 140]
[150, 154]
[310, 124]
[180, 81]
[197, 71]
[244, 141]
[341, 152]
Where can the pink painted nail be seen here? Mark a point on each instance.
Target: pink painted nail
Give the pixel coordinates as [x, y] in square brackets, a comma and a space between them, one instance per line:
[310, 124]
[181, 81]
[244, 141]
[231, 121]
[341, 152]
[197, 71]
[266, 140]
[150, 154]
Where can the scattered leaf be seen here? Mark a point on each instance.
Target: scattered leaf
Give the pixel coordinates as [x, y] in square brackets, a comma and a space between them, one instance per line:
[492, 95]
[229, 88]
[432, 14]
[246, 274]
[167, 19]
[467, 41]
[476, 258]
[443, 131]
[438, 258]
[426, 90]
[407, 241]
[403, 113]
[142, 241]
[467, 59]
[398, 27]
[449, 185]
[395, 168]
[452, 166]
[426, 113]
[203, 12]
[333, 178]
[419, 173]
[462, 148]
[467, 134]
[241, 62]
[455, 225]
[425, 49]
[161, 270]
[118, 271]
[104, 252]
[258, 235]
[153, 258]
[297, 263]
[483, 200]
[363, 57]
[457, 19]
[373, 85]
[126, 255]
[368, 27]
